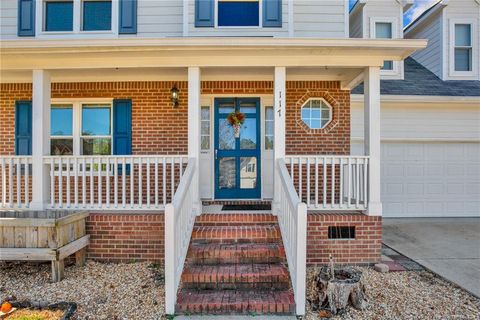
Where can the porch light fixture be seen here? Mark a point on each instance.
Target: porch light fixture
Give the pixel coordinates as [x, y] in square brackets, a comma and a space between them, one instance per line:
[174, 94]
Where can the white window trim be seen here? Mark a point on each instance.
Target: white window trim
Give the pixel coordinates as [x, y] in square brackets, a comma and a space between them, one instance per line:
[265, 120]
[77, 23]
[77, 120]
[451, 50]
[330, 118]
[260, 18]
[209, 121]
[395, 35]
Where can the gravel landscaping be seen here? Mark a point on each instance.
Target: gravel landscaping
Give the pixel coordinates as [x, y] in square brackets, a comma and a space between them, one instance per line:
[101, 290]
[406, 295]
[136, 291]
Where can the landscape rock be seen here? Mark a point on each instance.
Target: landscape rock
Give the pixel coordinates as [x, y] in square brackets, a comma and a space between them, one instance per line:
[381, 267]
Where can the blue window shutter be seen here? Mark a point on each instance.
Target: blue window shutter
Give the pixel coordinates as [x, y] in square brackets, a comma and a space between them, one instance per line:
[23, 128]
[122, 127]
[204, 13]
[26, 18]
[272, 13]
[128, 17]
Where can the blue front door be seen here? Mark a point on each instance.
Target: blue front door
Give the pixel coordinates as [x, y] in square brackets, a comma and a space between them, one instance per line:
[237, 159]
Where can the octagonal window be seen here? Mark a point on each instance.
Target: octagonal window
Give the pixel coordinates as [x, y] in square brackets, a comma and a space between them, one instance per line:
[316, 113]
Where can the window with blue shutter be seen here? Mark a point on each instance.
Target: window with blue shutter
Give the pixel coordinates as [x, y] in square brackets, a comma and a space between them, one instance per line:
[26, 18]
[97, 15]
[272, 13]
[59, 16]
[204, 13]
[23, 128]
[128, 17]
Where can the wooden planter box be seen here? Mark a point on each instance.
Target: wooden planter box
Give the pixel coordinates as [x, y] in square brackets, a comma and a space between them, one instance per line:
[44, 236]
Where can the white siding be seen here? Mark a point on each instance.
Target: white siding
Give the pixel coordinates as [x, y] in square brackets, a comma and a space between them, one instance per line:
[159, 18]
[8, 19]
[322, 19]
[431, 121]
[237, 32]
[356, 24]
[431, 56]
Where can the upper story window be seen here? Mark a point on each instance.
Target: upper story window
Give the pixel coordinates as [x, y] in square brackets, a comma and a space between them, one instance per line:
[58, 15]
[463, 47]
[97, 15]
[384, 30]
[235, 13]
[316, 113]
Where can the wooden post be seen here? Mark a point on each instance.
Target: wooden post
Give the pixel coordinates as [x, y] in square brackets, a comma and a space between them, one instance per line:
[81, 257]
[58, 267]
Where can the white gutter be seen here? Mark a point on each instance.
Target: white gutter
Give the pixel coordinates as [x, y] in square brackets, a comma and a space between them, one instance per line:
[422, 99]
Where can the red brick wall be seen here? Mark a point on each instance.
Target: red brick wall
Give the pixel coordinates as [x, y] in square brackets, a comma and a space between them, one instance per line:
[158, 128]
[364, 249]
[126, 237]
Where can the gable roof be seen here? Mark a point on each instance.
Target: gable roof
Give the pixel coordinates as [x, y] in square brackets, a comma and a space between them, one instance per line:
[419, 81]
[423, 15]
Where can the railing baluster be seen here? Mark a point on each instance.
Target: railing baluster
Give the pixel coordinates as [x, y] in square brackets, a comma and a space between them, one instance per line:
[341, 183]
[91, 183]
[107, 181]
[52, 182]
[365, 183]
[333, 182]
[140, 183]
[84, 183]
[357, 182]
[132, 175]
[68, 181]
[4, 183]
[75, 181]
[349, 182]
[99, 182]
[316, 182]
[10, 182]
[148, 182]
[115, 182]
[164, 182]
[60, 182]
[308, 181]
[27, 182]
[156, 182]
[325, 182]
[19, 182]
[172, 176]
[300, 178]
[124, 183]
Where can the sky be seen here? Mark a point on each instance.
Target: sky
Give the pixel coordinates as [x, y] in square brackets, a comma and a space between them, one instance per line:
[417, 9]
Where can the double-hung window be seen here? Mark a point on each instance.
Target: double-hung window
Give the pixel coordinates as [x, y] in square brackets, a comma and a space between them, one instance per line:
[238, 13]
[77, 15]
[81, 129]
[463, 47]
[384, 30]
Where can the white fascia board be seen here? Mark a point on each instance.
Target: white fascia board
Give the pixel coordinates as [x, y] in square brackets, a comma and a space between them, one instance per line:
[423, 99]
[406, 4]
[416, 23]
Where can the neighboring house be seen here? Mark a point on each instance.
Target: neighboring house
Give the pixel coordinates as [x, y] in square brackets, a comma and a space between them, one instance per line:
[431, 117]
[120, 108]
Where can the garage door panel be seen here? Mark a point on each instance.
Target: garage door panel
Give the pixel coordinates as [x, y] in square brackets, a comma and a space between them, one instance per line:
[430, 179]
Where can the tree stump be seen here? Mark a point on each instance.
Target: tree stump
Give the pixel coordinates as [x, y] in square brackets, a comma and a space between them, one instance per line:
[334, 294]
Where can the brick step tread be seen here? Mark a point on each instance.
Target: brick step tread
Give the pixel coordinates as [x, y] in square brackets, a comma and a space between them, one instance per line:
[215, 253]
[235, 219]
[235, 302]
[236, 274]
[228, 234]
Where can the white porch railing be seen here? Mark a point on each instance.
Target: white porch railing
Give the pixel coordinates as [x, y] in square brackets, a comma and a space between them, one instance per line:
[15, 172]
[137, 182]
[330, 182]
[292, 218]
[179, 220]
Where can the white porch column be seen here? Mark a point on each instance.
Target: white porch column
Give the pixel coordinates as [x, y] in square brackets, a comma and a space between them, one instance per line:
[194, 128]
[40, 138]
[279, 129]
[372, 136]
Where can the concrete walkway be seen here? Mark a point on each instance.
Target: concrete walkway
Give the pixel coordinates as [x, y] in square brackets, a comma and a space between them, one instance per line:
[449, 247]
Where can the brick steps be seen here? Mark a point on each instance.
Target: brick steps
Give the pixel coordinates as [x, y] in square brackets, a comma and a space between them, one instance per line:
[229, 234]
[236, 276]
[235, 265]
[235, 302]
[232, 219]
[215, 253]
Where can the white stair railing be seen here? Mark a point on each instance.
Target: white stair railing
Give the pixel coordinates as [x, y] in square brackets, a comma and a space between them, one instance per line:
[15, 181]
[134, 182]
[292, 218]
[330, 182]
[179, 220]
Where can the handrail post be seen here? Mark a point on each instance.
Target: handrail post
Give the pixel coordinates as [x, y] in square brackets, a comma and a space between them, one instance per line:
[300, 285]
[170, 291]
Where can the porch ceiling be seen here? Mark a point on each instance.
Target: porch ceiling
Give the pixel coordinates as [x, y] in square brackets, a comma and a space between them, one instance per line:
[203, 52]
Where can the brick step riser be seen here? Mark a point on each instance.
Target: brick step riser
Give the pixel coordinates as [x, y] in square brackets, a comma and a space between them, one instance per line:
[234, 309]
[234, 240]
[235, 219]
[235, 260]
[234, 223]
[237, 285]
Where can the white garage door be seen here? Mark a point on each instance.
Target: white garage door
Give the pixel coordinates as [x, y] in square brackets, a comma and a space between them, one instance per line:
[430, 179]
